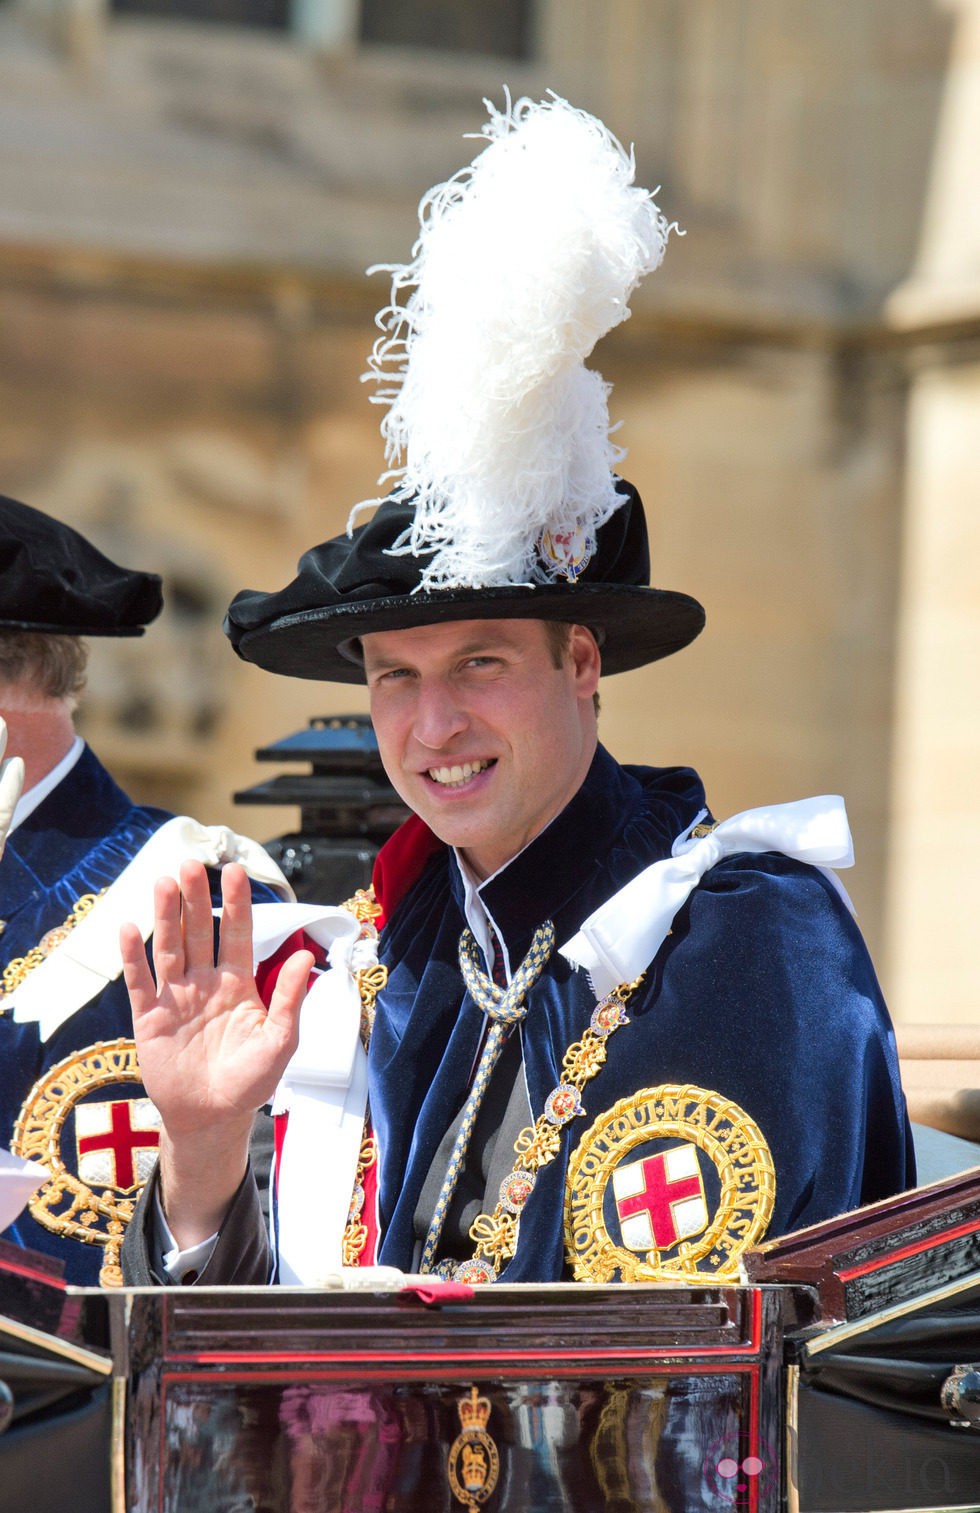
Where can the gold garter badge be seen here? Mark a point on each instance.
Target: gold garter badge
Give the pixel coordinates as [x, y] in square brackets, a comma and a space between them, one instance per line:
[672, 1183]
[99, 1152]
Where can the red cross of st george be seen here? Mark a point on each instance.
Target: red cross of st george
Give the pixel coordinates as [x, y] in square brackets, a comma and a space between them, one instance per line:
[657, 1198]
[123, 1139]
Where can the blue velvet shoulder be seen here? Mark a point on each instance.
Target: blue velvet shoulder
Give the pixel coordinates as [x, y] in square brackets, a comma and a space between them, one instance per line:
[765, 995]
[765, 992]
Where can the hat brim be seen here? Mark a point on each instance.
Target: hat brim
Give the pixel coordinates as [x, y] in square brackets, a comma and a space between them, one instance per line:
[47, 629]
[633, 625]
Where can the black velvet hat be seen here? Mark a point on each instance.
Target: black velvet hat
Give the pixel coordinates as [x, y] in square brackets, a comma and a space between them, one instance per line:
[352, 585]
[54, 581]
[507, 504]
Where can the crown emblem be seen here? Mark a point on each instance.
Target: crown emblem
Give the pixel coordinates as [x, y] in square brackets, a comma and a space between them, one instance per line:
[474, 1462]
[474, 1411]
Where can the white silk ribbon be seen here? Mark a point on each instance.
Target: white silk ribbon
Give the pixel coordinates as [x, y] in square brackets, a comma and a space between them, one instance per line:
[620, 939]
[89, 957]
[324, 1090]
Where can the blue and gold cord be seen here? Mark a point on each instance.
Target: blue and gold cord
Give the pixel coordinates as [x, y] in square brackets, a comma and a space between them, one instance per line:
[504, 1007]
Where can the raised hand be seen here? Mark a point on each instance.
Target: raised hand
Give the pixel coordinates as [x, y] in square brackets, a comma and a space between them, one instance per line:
[210, 1053]
[11, 783]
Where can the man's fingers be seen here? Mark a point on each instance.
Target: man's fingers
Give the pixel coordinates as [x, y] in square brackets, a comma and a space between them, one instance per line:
[168, 941]
[11, 783]
[136, 970]
[235, 940]
[196, 916]
[289, 992]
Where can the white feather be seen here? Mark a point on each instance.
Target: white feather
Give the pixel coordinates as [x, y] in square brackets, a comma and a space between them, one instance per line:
[496, 429]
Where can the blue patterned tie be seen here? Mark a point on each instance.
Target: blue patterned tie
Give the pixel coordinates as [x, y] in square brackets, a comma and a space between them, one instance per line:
[504, 1007]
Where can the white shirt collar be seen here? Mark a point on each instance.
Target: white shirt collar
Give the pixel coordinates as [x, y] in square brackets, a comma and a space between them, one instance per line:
[28, 801]
[478, 916]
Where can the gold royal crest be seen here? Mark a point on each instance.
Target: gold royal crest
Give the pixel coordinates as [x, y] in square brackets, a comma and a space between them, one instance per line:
[666, 1227]
[474, 1462]
[115, 1146]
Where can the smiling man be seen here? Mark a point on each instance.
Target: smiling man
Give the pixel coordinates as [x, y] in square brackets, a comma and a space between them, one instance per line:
[614, 1040]
[738, 1079]
[484, 731]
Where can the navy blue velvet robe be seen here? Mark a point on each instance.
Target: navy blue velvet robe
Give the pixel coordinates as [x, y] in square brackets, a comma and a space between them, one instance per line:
[764, 992]
[77, 841]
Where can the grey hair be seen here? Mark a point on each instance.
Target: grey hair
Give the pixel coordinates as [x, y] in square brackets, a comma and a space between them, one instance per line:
[53, 666]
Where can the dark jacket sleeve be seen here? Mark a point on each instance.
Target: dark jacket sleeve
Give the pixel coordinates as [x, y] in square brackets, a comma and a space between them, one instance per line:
[242, 1255]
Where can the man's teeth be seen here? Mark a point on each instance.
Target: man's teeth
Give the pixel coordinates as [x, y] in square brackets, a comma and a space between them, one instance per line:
[451, 776]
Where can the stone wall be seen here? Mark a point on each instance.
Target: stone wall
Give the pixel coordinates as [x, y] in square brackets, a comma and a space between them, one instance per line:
[185, 217]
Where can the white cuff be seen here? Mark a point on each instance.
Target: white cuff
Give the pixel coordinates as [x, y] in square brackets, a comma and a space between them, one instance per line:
[174, 1263]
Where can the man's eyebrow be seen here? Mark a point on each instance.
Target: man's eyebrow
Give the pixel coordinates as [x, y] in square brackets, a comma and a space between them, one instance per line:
[375, 661]
[486, 643]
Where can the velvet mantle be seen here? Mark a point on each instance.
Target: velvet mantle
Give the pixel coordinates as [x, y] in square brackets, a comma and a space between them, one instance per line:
[764, 993]
[77, 841]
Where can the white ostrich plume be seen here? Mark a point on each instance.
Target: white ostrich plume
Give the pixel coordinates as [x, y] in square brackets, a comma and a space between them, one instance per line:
[496, 431]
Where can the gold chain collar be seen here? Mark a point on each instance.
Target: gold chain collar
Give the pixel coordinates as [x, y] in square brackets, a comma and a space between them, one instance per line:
[495, 1235]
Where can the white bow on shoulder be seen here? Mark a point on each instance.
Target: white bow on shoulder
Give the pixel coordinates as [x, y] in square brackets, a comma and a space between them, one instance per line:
[620, 939]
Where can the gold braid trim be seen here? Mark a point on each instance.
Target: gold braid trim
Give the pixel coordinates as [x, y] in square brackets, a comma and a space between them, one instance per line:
[370, 981]
[363, 906]
[16, 970]
[355, 1233]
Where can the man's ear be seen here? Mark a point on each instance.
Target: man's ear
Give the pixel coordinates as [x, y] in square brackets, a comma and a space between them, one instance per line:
[583, 650]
